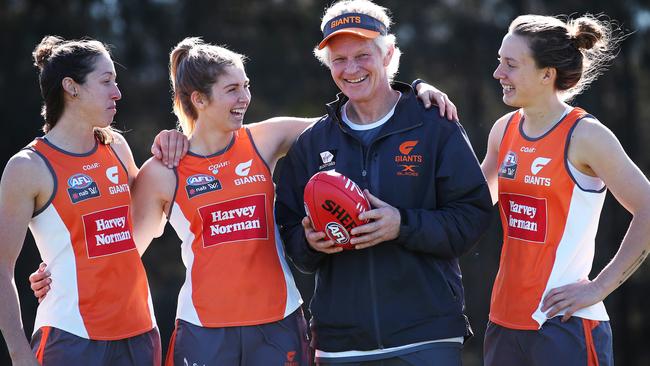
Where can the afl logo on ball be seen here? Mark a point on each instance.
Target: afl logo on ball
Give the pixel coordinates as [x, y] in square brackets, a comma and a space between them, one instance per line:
[337, 232]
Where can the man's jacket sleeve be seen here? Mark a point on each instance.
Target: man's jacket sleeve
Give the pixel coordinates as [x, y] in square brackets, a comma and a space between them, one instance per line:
[464, 204]
[290, 211]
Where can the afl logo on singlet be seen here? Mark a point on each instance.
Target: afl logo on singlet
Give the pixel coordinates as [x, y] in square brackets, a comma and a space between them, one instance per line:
[508, 168]
[201, 183]
[199, 179]
[79, 181]
[81, 187]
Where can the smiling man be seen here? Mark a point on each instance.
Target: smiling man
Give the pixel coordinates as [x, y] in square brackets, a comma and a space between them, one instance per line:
[397, 298]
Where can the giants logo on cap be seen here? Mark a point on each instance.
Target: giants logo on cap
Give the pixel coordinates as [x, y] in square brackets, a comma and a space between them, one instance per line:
[358, 24]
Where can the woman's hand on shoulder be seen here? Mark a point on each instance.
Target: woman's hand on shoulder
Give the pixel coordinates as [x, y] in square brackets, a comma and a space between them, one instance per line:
[170, 146]
[430, 95]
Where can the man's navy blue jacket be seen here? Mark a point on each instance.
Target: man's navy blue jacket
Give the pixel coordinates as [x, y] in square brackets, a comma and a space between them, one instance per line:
[409, 289]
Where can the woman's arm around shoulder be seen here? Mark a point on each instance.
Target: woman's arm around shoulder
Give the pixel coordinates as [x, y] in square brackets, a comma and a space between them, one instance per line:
[123, 151]
[490, 164]
[23, 188]
[152, 196]
[595, 151]
[273, 137]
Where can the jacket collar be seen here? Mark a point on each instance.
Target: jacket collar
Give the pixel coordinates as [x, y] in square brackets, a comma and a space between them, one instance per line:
[406, 111]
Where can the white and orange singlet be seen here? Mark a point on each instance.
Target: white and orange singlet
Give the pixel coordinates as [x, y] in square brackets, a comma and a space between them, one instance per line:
[223, 212]
[549, 214]
[99, 286]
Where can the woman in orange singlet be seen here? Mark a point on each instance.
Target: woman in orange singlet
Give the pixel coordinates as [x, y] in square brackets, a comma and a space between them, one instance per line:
[72, 188]
[549, 165]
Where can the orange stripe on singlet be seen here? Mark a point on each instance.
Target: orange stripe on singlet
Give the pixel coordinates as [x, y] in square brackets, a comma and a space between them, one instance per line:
[169, 360]
[45, 333]
[588, 326]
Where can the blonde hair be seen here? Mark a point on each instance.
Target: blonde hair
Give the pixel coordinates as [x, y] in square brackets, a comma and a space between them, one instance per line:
[195, 66]
[382, 42]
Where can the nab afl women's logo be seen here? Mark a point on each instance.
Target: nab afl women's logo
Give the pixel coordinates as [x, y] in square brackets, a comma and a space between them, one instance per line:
[199, 179]
[79, 181]
[201, 183]
[337, 233]
[508, 167]
[82, 187]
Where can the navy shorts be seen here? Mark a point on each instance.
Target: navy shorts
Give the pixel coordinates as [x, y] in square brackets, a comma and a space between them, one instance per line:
[281, 343]
[576, 342]
[55, 347]
[436, 354]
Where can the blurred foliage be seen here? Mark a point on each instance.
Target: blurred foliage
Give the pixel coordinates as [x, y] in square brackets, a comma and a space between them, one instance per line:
[451, 43]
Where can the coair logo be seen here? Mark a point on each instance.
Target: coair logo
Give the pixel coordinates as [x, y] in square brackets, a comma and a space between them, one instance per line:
[407, 146]
[337, 232]
[538, 164]
[214, 168]
[244, 168]
[90, 166]
[111, 174]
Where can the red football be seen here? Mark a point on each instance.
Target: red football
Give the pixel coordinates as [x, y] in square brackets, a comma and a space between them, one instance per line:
[333, 202]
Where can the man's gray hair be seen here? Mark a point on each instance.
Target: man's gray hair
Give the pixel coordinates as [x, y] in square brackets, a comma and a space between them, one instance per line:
[369, 8]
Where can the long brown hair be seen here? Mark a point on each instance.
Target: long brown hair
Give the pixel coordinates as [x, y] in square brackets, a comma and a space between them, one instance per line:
[579, 49]
[57, 59]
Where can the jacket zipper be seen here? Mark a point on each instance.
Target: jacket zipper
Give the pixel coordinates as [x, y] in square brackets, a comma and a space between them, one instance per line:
[365, 153]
